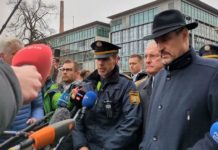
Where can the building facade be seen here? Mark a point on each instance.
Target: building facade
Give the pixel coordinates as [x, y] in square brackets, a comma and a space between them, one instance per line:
[129, 27]
[75, 43]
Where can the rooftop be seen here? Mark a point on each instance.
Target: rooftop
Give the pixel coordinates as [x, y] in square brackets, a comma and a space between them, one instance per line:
[196, 2]
[92, 24]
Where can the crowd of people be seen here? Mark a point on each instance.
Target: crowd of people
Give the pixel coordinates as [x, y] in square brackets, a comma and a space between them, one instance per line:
[171, 104]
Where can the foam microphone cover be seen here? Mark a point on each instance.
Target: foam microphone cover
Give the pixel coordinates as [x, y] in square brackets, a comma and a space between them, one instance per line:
[214, 132]
[59, 115]
[89, 99]
[39, 55]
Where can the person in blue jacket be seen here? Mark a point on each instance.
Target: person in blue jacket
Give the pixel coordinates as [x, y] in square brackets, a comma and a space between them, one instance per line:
[28, 114]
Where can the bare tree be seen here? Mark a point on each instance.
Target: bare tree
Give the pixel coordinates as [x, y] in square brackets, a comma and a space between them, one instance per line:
[31, 20]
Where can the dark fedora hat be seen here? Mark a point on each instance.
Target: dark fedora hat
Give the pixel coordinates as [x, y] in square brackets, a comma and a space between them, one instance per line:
[168, 21]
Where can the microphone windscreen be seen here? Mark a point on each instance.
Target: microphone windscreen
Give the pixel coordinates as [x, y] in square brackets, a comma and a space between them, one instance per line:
[59, 115]
[39, 55]
[89, 99]
[214, 132]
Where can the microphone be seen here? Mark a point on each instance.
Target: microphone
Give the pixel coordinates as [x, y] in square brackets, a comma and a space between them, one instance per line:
[48, 135]
[7, 144]
[77, 101]
[59, 115]
[214, 132]
[53, 132]
[64, 99]
[39, 55]
[88, 102]
[66, 96]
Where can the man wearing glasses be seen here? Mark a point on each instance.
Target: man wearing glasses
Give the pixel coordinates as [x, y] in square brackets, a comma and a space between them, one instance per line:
[184, 97]
[153, 65]
[70, 73]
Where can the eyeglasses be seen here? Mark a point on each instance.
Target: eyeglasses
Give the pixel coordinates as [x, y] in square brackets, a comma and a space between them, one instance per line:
[66, 69]
[152, 56]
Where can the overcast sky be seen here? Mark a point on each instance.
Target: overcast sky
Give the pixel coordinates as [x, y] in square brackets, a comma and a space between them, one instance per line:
[85, 11]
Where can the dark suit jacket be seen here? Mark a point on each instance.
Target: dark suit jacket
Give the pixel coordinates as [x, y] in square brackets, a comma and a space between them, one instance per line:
[144, 89]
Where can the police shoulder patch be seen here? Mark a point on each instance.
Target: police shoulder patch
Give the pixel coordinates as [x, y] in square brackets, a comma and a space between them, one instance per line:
[134, 97]
[126, 76]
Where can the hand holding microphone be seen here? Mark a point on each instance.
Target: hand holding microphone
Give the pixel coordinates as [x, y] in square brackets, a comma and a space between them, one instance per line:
[30, 81]
[33, 65]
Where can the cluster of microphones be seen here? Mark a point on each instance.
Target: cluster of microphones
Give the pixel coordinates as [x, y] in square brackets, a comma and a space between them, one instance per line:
[63, 121]
[60, 125]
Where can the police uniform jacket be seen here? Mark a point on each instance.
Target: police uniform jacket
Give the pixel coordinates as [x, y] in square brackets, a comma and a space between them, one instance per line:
[183, 106]
[99, 132]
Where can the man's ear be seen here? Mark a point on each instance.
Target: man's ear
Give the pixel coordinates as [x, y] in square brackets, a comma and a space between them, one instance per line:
[117, 58]
[185, 33]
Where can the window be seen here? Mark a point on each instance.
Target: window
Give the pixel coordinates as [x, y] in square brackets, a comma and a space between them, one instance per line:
[118, 37]
[135, 48]
[131, 34]
[136, 16]
[140, 47]
[150, 15]
[131, 49]
[125, 49]
[124, 64]
[116, 25]
[183, 7]
[141, 32]
[145, 31]
[149, 28]
[135, 33]
[125, 35]
[141, 19]
[132, 21]
[145, 16]
[155, 11]
[171, 5]
[195, 13]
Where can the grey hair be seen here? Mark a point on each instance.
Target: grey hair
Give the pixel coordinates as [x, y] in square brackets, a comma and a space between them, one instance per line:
[8, 44]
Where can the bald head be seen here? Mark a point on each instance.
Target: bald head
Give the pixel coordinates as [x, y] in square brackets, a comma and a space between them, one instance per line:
[152, 59]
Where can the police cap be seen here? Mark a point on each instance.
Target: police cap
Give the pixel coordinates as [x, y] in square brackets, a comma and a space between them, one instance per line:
[209, 51]
[104, 49]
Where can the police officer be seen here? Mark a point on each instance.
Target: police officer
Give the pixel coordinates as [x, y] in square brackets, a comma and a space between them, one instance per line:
[209, 51]
[113, 121]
